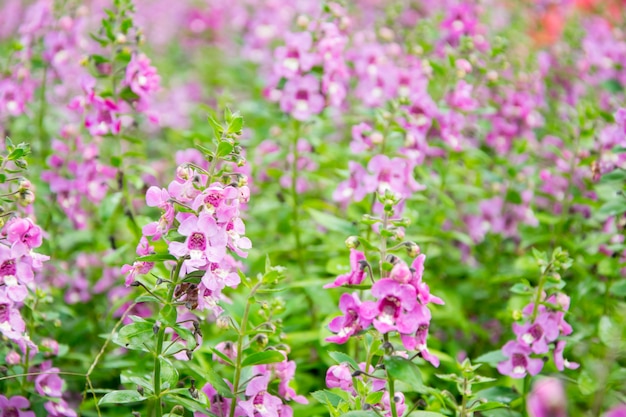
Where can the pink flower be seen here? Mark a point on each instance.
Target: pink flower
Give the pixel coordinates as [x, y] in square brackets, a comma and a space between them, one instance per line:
[561, 363]
[49, 384]
[340, 376]
[228, 349]
[301, 97]
[617, 411]
[538, 334]
[294, 58]
[14, 407]
[519, 362]
[547, 399]
[397, 308]
[205, 242]
[141, 77]
[351, 322]
[357, 271]
[260, 403]
[59, 409]
[23, 234]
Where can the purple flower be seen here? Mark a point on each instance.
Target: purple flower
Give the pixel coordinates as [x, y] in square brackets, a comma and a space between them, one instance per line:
[59, 409]
[351, 322]
[141, 77]
[14, 407]
[301, 97]
[356, 274]
[396, 309]
[547, 399]
[260, 403]
[537, 335]
[519, 362]
[340, 376]
[617, 411]
[294, 58]
[561, 363]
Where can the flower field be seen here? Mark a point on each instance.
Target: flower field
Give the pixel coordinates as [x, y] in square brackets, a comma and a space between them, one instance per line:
[302, 208]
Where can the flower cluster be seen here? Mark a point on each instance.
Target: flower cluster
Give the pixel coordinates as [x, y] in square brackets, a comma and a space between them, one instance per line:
[400, 305]
[207, 216]
[259, 398]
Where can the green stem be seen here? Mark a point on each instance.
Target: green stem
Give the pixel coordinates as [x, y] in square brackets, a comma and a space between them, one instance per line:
[542, 282]
[159, 345]
[295, 215]
[383, 243]
[391, 383]
[463, 412]
[240, 338]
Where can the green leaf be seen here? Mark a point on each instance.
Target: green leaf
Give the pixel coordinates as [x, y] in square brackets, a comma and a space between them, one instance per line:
[330, 397]
[218, 383]
[492, 358]
[609, 333]
[121, 397]
[422, 413]
[405, 371]
[330, 222]
[169, 374]
[260, 358]
[135, 335]
[488, 406]
[168, 315]
[498, 394]
[619, 288]
[341, 357]
[374, 397]
[236, 124]
[157, 257]
[360, 414]
[613, 208]
[224, 148]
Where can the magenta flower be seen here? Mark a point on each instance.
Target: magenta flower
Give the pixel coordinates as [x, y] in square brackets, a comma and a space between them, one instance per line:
[49, 384]
[294, 58]
[260, 403]
[200, 231]
[617, 411]
[519, 362]
[23, 234]
[59, 409]
[417, 341]
[356, 274]
[547, 399]
[141, 77]
[559, 361]
[340, 376]
[351, 322]
[538, 334]
[397, 308]
[220, 406]
[14, 407]
[301, 97]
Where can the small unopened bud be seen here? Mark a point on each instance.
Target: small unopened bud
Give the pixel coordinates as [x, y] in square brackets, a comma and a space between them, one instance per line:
[392, 259]
[184, 172]
[26, 198]
[120, 38]
[13, 358]
[397, 398]
[412, 249]
[223, 322]
[517, 315]
[386, 34]
[179, 410]
[492, 76]
[261, 339]
[352, 242]
[156, 327]
[377, 137]
[25, 184]
[302, 21]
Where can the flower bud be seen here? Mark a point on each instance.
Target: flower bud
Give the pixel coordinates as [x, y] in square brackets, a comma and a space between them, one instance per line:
[13, 358]
[302, 21]
[517, 315]
[412, 249]
[222, 322]
[26, 198]
[352, 242]
[261, 339]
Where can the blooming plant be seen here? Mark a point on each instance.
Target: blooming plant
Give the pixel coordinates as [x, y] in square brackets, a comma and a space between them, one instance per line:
[422, 215]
